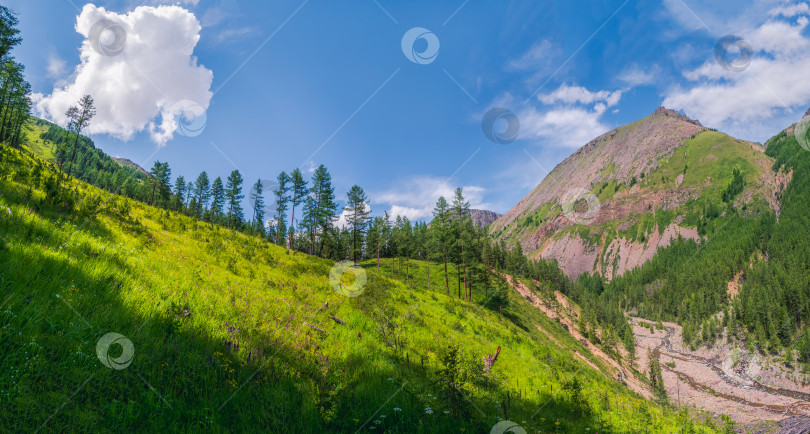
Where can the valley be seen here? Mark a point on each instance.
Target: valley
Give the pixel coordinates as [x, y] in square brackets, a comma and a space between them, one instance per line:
[657, 280]
[750, 389]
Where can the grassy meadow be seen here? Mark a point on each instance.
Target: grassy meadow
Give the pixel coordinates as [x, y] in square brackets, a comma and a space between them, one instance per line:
[233, 334]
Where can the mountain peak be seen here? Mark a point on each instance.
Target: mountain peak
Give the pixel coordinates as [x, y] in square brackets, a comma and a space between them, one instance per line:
[672, 113]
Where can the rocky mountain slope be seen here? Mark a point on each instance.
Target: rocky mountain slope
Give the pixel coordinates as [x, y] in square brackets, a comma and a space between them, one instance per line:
[126, 162]
[483, 218]
[609, 206]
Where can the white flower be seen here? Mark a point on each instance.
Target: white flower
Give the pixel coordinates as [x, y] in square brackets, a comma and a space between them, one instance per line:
[397, 409]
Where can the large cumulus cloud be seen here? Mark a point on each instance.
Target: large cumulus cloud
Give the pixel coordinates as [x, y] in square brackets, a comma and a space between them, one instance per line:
[147, 85]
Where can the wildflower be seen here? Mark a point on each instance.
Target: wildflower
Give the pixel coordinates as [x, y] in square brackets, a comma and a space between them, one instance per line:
[397, 409]
[557, 423]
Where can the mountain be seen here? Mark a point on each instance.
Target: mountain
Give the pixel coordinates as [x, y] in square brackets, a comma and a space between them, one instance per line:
[614, 202]
[126, 162]
[483, 218]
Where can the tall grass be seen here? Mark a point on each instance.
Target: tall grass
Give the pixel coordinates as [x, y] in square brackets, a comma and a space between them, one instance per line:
[234, 334]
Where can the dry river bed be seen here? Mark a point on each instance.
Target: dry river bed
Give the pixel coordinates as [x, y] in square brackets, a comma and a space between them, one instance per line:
[747, 390]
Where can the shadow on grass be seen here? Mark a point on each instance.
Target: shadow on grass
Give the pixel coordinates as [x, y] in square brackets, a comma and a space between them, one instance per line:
[55, 309]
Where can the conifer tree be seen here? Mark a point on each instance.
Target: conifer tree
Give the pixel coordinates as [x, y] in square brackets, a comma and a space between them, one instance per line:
[257, 198]
[441, 230]
[202, 192]
[217, 200]
[299, 193]
[356, 217]
[282, 200]
[233, 192]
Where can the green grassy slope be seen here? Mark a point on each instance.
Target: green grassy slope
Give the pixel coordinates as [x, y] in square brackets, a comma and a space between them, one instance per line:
[233, 334]
[706, 161]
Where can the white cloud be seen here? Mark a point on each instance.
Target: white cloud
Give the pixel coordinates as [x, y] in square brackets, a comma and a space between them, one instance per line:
[569, 127]
[635, 75]
[342, 222]
[56, 66]
[791, 10]
[539, 56]
[416, 197]
[579, 95]
[774, 84]
[573, 116]
[155, 71]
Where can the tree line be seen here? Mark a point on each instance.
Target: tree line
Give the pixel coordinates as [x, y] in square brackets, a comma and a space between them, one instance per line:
[15, 103]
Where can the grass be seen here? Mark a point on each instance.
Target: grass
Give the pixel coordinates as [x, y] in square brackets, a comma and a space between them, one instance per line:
[231, 333]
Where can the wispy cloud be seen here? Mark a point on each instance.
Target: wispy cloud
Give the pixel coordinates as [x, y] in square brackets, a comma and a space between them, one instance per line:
[415, 197]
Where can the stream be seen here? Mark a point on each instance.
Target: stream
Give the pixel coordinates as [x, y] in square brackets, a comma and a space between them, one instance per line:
[803, 399]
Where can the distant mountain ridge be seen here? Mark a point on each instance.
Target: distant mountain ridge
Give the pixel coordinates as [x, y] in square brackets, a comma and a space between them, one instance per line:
[126, 162]
[640, 186]
[483, 218]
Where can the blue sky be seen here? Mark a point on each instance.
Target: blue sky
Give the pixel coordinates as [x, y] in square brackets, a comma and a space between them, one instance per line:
[288, 84]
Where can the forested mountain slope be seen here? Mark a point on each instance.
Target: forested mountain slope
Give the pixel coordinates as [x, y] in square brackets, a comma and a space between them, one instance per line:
[612, 204]
[230, 332]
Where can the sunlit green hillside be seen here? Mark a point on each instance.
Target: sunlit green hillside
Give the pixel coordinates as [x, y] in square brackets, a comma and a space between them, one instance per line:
[233, 334]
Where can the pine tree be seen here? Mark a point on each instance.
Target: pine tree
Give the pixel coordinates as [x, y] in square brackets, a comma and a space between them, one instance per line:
[356, 217]
[460, 214]
[217, 200]
[179, 192]
[324, 207]
[282, 200]
[202, 192]
[299, 194]
[440, 228]
[257, 198]
[233, 192]
[81, 119]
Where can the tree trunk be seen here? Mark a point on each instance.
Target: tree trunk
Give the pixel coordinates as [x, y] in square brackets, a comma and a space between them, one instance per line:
[464, 264]
[446, 279]
[292, 219]
[75, 145]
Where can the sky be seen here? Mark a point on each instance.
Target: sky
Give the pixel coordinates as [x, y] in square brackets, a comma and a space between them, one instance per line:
[407, 99]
